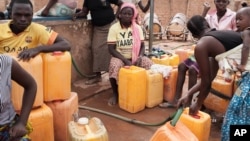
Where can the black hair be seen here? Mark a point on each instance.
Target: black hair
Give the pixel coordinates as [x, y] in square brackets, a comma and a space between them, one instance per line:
[9, 8]
[244, 4]
[197, 25]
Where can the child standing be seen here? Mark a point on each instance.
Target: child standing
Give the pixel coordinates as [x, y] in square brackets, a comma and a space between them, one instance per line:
[238, 111]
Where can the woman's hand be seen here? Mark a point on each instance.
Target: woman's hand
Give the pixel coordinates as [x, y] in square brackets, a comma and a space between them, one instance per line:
[127, 62]
[80, 14]
[17, 131]
[138, 61]
[206, 6]
[194, 108]
[241, 68]
[184, 101]
[27, 54]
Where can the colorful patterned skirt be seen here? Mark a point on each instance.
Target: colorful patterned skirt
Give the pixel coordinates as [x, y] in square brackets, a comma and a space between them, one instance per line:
[238, 112]
[4, 131]
[190, 62]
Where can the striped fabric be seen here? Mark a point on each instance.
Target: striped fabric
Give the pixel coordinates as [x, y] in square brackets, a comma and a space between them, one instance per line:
[8, 116]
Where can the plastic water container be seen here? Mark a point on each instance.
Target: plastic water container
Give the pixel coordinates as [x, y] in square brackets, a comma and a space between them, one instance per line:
[35, 68]
[62, 115]
[223, 86]
[199, 124]
[87, 130]
[41, 120]
[183, 53]
[132, 89]
[216, 103]
[174, 60]
[154, 89]
[163, 60]
[179, 132]
[167, 59]
[170, 86]
[57, 76]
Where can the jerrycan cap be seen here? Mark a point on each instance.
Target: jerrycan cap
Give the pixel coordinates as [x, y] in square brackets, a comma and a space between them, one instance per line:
[83, 121]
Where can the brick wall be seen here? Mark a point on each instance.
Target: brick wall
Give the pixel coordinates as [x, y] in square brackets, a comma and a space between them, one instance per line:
[165, 9]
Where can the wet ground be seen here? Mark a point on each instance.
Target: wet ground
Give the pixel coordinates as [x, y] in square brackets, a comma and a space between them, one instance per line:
[95, 97]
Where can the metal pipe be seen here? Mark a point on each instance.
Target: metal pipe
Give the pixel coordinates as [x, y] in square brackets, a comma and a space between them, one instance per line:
[151, 20]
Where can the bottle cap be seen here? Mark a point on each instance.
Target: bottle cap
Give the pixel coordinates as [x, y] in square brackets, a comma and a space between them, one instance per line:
[83, 120]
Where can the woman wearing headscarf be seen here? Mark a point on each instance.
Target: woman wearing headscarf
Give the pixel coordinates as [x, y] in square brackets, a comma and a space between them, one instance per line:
[126, 46]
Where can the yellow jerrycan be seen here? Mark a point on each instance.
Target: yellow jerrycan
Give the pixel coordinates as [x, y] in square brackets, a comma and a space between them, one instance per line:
[57, 75]
[132, 89]
[86, 129]
[35, 67]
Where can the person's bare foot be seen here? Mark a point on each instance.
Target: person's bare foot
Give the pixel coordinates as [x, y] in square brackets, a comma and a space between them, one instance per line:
[113, 101]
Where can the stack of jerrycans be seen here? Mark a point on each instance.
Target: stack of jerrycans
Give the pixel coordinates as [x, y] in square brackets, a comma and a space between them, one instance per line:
[169, 83]
[57, 91]
[41, 116]
[219, 100]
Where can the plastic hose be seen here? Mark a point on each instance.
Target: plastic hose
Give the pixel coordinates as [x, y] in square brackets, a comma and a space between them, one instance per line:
[79, 72]
[134, 121]
[176, 117]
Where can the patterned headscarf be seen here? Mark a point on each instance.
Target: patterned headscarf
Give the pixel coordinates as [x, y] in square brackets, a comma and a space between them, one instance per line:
[135, 31]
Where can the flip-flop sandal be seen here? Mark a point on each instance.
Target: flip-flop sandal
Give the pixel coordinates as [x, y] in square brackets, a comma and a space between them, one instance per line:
[166, 105]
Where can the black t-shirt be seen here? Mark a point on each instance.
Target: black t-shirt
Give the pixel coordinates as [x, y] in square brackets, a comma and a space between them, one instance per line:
[228, 38]
[101, 12]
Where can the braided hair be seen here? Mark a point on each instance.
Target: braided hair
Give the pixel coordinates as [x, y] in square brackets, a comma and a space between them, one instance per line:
[197, 25]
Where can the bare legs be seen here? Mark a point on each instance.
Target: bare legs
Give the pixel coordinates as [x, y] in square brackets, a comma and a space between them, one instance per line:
[114, 99]
[192, 80]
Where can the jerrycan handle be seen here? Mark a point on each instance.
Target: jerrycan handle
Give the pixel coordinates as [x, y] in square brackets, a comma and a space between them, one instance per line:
[176, 117]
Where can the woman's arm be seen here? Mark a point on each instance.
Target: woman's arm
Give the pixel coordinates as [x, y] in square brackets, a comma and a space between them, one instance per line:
[245, 50]
[45, 12]
[205, 9]
[143, 9]
[24, 79]
[83, 13]
[60, 44]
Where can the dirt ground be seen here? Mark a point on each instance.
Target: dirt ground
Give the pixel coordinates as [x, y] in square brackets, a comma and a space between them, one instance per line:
[96, 97]
[119, 127]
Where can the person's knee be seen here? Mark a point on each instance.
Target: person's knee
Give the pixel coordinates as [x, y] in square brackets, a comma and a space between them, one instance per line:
[182, 67]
